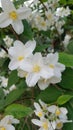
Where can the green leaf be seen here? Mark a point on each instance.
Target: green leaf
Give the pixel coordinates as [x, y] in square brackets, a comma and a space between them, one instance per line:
[41, 48]
[18, 110]
[66, 59]
[27, 30]
[64, 99]
[49, 95]
[1, 93]
[70, 47]
[13, 96]
[13, 78]
[67, 79]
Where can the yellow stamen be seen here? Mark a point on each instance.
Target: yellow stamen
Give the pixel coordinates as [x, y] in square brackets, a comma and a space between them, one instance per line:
[58, 112]
[20, 58]
[51, 66]
[59, 125]
[49, 16]
[13, 15]
[36, 68]
[40, 114]
[43, 24]
[25, 74]
[2, 128]
[45, 125]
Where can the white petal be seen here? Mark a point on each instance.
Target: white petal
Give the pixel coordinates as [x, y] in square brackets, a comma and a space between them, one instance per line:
[37, 106]
[9, 127]
[4, 20]
[29, 47]
[43, 84]
[53, 125]
[60, 66]
[23, 12]
[52, 108]
[53, 58]
[7, 5]
[32, 79]
[37, 58]
[55, 79]
[17, 49]
[64, 110]
[13, 64]
[26, 66]
[46, 73]
[18, 26]
[36, 122]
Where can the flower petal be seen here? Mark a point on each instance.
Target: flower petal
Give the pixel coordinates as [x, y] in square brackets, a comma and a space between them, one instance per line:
[36, 122]
[37, 106]
[52, 108]
[43, 84]
[4, 20]
[9, 127]
[53, 58]
[7, 5]
[23, 12]
[29, 47]
[18, 26]
[32, 79]
[14, 64]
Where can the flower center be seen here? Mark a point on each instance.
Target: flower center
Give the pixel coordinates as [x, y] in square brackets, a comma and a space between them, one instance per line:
[2, 128]
[45, 125]
[13, 15]
[36, 68]
[43, 24]
[49, 16]
[20, 58]
[59, 125]
[51, 66]
[40, 114]
[58, 112]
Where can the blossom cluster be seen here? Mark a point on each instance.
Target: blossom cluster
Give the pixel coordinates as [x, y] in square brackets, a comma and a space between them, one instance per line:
[3, 85]
[51, 18]
[33, 66]
[7, 123]
[50, 117]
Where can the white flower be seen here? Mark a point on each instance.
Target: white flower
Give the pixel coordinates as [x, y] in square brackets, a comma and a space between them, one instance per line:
[7, 121]
[50, 17]
[59, 25]
[57, 124]
[52, 62]
[2, 54]
[20, 52]
[36, 69]
[13, 16]
[13, 87]
[44, 124]
[39, 111]
[8, 41]
[66, 40]
[4, 81]
[44, 83]
[61, 12]
[59, 112]
[5, 91]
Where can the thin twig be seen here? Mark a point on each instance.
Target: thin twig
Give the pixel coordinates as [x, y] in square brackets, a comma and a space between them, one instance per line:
[1, 46]
[43, 5]
[15, 34]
